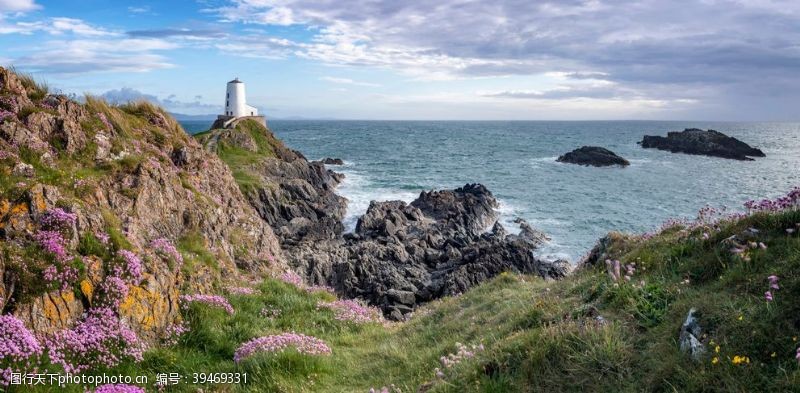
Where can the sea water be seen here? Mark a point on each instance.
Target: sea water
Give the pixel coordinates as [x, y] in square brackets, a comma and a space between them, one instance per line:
[574, 205]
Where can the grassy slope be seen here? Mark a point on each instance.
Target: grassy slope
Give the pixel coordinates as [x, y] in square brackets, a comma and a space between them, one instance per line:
[539, 336]
[244, 163]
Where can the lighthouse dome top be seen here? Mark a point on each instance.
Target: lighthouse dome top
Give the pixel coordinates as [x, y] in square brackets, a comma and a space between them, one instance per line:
[236, 80]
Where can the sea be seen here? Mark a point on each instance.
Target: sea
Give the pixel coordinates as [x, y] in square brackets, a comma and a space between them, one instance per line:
[516, 160]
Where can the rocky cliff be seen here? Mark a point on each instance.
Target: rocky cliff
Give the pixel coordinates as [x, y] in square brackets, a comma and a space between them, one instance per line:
[126, 185]
[400, 255]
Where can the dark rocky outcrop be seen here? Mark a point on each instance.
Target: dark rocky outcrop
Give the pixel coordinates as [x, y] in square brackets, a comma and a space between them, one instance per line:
[700, 142]
[593, 156]
[401, 255]
[332, 161]
[295, 196]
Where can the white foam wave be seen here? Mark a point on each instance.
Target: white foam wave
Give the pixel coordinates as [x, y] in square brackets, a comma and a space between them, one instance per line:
[360, 190]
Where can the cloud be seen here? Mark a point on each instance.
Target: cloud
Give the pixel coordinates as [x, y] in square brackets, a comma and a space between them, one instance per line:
[55, 26]
[18, 6]
[171, 102]
[139, 10]
[178, 32]
[76, 26]
[347, 81]
[85, 55]
[723, 49]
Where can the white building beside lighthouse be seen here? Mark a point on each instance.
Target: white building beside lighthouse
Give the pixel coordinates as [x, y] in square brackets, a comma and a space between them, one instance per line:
[236, 108]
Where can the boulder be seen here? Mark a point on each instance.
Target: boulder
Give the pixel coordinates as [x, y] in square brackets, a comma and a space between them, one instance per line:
[332, 161]
[593, 156]
[708, 143]
[689, 338]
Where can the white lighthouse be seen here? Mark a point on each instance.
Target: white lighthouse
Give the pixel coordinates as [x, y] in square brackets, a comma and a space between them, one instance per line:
[236, 101]
[236, 107]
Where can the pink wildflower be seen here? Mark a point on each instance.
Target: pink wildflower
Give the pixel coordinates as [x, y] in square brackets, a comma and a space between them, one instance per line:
[118, 388]
[278, 343]
[18, 348]
[165, 248]
[211, 300]
[100, 339]
[352, 311]
[241, 291]
[292, 278]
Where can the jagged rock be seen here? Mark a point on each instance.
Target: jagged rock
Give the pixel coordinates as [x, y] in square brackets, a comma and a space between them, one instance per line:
[593, 156]
[699, 142]
[103, 146]
[406, 254]
[689, 338]
[332, 161]
[23, 169]
[295, 196]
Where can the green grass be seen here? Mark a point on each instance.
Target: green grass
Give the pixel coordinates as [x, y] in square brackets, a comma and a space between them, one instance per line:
[244, 163]
[193, 247]
[539, 336]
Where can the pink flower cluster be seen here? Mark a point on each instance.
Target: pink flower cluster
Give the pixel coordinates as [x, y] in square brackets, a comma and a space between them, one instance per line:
[270, 312]
[19, 348]
[103, 237]
[278, 343]
[7, 154]
[789, 201]
[292, 278]
[773, 286]
[174, 332]
[352, 311]
[165, 248]
[132, 266]
[211, 300]
[103, 119]
[118, 388]
[241, 291]
[58, 219]
[61, 271]
[4, 114]
[462, 353]
[614, 270]
[99, 339]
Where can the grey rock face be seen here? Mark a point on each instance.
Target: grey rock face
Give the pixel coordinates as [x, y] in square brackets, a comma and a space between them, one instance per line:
[594, 156]
[699, 142]
[690, 336]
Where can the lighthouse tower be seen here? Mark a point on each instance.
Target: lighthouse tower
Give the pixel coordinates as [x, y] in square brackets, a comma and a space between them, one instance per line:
[235, 101]
[236, 108]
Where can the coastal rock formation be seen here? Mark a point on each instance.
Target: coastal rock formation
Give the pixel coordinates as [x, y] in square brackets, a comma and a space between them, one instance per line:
[332, 161]
[400, 255]
[296, 197]
[123, 177]
[594, 156]
[699, 142]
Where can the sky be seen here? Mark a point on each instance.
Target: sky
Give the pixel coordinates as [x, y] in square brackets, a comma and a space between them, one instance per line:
[418, 59]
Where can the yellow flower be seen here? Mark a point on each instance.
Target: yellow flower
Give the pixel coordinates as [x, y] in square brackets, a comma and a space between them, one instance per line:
[774, 354]
[716, 349]
[740, 359]
[741, 317]
[794, 338]
[715, 360]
